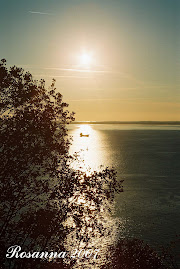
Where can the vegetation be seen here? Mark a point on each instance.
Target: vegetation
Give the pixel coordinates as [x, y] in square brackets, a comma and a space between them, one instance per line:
[39, 188]
[33, 151]
[134, 254]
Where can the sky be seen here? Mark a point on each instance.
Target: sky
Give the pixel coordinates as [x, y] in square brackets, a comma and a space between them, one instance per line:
[113, 60]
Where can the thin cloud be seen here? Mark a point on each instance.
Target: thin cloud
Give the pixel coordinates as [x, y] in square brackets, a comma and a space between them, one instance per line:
[130, 77]
[52, 76]
[40, 13]
[91, 71]
[67, 76]
[77, 70]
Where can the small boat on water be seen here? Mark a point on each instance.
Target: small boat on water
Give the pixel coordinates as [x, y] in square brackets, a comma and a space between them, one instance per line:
[86, 135]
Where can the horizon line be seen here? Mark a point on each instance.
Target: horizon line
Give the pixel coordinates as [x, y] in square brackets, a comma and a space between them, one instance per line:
[127, 122]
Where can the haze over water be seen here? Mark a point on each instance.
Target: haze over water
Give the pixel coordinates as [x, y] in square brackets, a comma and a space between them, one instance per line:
[148, 159]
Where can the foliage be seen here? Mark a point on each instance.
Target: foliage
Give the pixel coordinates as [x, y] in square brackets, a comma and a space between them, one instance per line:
[33, 150]
[170, 253]
[40, 189]
[134, 254]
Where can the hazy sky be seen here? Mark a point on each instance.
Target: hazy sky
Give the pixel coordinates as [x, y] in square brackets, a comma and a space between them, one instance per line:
[112, 59]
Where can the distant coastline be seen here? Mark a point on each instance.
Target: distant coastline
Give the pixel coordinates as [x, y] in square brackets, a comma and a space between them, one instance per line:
[129, 122]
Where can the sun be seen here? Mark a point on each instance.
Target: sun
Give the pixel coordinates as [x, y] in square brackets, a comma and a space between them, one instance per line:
[86, 59]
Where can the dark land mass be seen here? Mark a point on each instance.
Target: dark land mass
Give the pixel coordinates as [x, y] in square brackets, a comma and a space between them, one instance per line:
[129, 122]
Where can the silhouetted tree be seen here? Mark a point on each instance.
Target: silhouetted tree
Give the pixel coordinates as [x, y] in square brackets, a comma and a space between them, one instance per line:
[39, 188]
[34, 151]
[133, 254]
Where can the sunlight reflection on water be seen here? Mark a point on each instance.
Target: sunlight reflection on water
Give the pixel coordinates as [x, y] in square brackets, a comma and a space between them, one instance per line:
[92, 155]
[89, 148]
[147, 158]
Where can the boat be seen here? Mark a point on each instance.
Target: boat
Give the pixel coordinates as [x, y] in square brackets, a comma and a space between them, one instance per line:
[85, 135]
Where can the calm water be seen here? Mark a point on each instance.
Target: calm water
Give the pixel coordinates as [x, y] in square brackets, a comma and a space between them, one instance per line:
[148, 159]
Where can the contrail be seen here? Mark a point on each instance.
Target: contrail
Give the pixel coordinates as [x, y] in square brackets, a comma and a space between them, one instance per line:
[41, 13]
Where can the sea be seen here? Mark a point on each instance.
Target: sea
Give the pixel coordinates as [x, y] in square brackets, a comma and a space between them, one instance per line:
[147, 158]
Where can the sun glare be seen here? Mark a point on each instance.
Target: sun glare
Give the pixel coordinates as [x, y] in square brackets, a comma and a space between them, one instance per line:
[86, 59]
[85, 129]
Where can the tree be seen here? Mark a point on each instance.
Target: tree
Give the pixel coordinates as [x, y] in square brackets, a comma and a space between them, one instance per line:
[40, 189]
[33, 149]
[134, 254]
